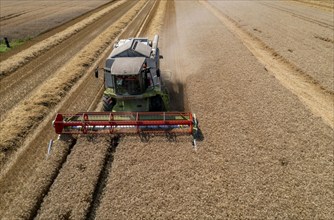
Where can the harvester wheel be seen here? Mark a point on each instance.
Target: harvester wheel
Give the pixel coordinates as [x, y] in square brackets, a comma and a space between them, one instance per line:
[108, 104]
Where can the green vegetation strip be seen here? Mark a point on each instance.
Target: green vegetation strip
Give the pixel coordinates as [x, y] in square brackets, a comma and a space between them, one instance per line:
[13, 44]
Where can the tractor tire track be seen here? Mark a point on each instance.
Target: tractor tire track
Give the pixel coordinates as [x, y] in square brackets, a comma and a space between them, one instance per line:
[27, 205]
[317, 98]
[305, 18]
[329, 6]
[71, 193]
[14, 15]
[40, 14]
[10, 16]
[102, 179]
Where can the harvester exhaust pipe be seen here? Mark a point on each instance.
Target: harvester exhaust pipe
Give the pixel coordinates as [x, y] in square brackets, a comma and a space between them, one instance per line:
[155, 44]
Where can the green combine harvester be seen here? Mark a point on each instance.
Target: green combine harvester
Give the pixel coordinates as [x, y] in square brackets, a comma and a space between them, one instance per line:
[135, 100]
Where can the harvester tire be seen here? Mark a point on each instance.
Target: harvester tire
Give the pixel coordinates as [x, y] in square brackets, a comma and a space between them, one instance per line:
[107, 104]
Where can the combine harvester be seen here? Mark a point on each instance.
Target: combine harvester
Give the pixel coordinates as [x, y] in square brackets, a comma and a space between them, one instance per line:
[135, 100]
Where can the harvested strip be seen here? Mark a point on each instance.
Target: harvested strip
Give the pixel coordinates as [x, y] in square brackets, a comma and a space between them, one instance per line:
[25, 116]
[18, 60]
[146, 179]
[71, 194]
[35, 186]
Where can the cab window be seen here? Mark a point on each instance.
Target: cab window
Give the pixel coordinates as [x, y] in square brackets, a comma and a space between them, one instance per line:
[128, 85]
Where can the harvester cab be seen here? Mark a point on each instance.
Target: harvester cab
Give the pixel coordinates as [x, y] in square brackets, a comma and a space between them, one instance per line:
[135, 100]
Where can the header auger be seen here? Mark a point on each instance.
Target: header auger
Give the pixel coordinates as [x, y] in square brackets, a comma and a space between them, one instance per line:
[135, 100]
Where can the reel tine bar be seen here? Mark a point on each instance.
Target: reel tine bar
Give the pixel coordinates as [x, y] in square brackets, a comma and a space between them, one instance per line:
[124, 123]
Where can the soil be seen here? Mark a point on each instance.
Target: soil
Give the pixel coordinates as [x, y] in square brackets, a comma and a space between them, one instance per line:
[23, 19]
[264, 151]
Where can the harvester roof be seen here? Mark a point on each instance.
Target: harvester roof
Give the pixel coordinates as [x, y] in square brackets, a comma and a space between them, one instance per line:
[127, 66]
[132, 48]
